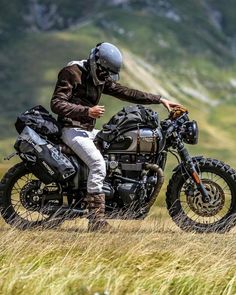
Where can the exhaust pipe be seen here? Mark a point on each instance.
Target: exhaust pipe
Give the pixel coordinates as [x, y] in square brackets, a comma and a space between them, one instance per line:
[160, 181]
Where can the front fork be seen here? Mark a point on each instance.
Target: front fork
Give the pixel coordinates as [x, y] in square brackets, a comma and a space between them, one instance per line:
[189, 165]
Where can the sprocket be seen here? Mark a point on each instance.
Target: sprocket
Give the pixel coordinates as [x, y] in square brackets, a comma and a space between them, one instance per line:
[31, 195]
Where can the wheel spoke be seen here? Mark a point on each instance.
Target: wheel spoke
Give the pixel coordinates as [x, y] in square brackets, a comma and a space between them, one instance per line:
[220, 195]
[18, 204]
[23, 202]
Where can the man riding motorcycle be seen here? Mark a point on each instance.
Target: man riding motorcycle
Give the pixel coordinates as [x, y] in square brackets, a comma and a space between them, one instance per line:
[75, 99]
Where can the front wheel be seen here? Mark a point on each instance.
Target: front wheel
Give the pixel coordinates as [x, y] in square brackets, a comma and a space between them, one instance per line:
[186, 205]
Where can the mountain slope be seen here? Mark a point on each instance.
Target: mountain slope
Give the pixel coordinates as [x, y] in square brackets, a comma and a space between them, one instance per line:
[183, 50]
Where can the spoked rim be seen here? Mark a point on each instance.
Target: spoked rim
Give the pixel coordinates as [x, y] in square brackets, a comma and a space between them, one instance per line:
[26, 200]
[220, 199]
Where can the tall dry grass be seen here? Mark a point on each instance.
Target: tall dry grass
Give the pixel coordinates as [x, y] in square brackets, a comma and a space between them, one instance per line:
[137, 257]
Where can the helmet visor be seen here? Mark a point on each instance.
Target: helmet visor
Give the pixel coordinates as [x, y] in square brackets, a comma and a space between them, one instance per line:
[103, 74]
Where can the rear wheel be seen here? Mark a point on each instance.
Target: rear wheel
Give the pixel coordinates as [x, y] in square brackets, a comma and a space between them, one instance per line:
[24, 199]
[187, 207]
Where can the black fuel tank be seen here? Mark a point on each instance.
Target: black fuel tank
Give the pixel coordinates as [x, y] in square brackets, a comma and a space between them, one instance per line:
[149, 141]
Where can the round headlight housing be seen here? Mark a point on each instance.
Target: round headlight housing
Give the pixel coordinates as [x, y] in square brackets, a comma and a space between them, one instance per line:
[190, 132]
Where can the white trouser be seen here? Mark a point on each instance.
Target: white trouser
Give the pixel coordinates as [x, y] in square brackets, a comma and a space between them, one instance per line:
[81, 142]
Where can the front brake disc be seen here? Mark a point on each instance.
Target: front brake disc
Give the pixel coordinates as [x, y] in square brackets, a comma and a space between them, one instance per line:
[213, 206]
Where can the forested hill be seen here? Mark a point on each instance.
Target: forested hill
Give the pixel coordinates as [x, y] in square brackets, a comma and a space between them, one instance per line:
[185, 50]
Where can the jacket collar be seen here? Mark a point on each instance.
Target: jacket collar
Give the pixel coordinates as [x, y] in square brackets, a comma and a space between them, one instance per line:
[81, 63]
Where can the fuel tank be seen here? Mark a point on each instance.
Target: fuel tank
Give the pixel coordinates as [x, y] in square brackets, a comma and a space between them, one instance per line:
[143, 140]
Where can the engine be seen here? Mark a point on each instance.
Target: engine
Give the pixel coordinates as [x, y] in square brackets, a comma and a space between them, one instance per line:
[129, 151]
[127, 165]
[125, 159]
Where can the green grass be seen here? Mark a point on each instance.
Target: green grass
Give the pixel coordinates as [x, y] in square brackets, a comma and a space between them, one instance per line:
[148, 257]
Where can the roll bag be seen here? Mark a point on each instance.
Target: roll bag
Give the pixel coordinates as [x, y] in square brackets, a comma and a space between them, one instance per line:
[129, 118]
[41, 121]
[43, 159]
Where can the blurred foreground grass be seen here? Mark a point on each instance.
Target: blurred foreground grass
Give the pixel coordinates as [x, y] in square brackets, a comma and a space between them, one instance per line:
[138, 257]
[149, 257]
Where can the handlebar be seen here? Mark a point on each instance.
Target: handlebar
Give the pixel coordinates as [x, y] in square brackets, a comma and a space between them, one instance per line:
[169, 125]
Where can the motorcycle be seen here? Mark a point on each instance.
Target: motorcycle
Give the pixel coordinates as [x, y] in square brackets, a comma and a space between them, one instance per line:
[200, 196]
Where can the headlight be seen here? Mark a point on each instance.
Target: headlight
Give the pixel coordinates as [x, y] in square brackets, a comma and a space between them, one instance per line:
[190, 132]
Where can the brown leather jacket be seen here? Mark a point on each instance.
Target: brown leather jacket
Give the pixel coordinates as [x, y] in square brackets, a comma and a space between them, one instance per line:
[75, 92]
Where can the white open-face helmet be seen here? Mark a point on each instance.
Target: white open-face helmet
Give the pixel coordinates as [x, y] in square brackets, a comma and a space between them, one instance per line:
[105, 61]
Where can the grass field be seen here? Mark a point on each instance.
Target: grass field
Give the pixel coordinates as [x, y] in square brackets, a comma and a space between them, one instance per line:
[137, 257]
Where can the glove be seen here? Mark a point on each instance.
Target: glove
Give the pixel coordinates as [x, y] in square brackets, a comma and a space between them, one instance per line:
[177, 111]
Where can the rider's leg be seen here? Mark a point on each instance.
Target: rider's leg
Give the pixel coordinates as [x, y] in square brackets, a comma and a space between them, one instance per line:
[81, 142]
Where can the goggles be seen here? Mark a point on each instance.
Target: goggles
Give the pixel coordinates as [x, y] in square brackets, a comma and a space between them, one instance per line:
[103, 74]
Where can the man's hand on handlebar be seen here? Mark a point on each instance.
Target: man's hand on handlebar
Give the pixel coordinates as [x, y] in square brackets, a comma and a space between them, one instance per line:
[169, 104]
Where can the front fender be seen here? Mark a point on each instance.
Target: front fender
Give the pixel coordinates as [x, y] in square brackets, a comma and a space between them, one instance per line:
[180, 166]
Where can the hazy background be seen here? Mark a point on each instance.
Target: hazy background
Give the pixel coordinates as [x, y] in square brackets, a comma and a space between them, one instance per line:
[185, 50]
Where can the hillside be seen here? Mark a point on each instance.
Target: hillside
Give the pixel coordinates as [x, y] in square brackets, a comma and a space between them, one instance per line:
[185, 50]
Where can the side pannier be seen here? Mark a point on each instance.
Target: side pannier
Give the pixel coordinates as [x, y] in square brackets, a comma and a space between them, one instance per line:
[43, 159]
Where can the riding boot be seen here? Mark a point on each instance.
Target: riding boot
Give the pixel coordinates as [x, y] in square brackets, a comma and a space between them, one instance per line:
[96, 207]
